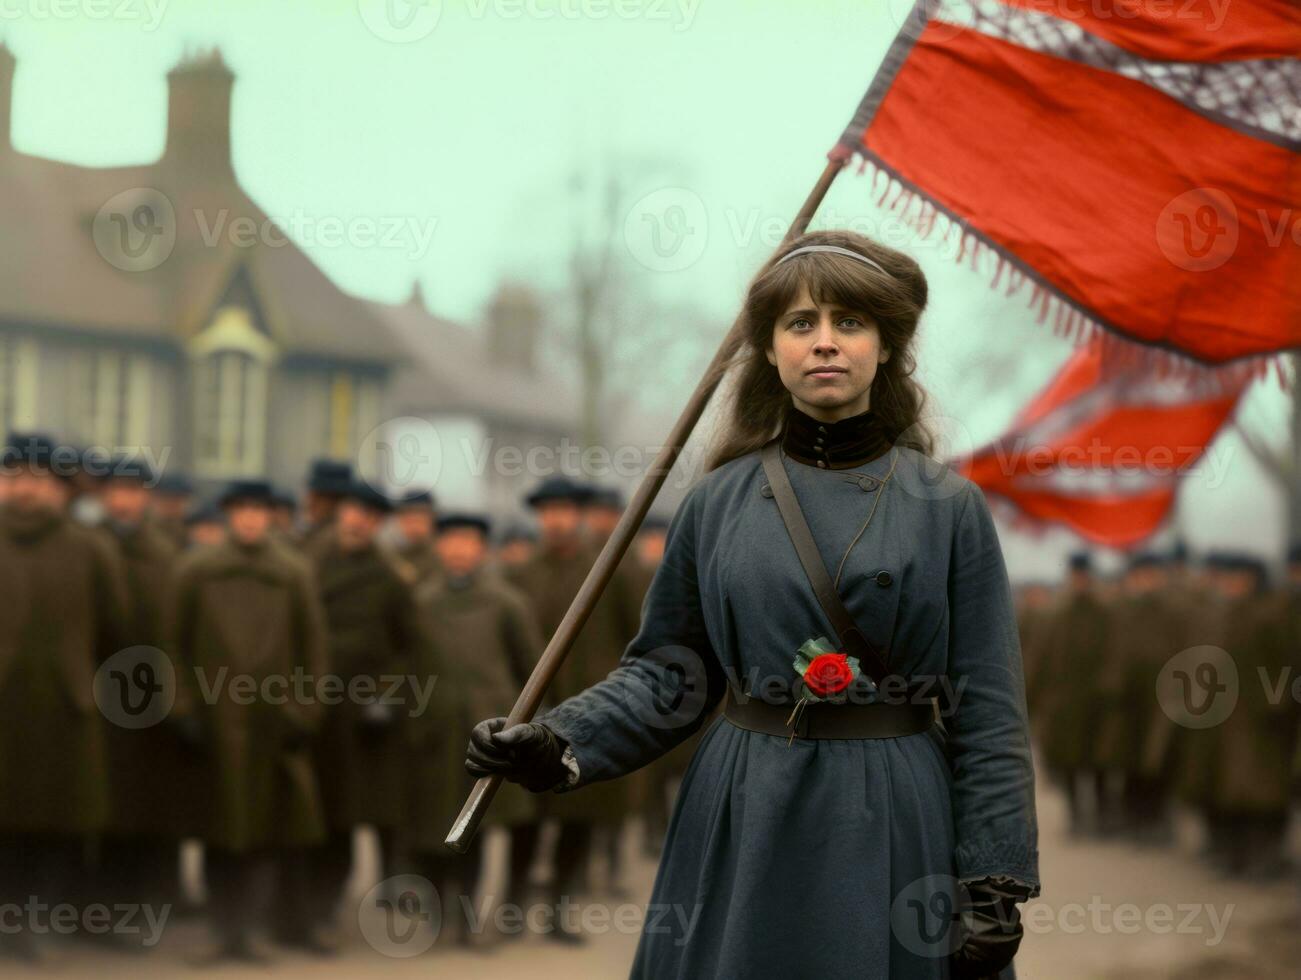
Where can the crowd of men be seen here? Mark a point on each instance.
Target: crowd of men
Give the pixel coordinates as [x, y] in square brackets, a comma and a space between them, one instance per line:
[1174, 684]
[266, 675]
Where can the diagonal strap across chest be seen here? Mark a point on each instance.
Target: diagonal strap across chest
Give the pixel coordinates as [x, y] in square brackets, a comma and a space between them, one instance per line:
[852, 639]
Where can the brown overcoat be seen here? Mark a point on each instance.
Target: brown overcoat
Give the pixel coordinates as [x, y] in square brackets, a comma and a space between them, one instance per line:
[1067, 696]
[483, 644]
[250, 641]
[154, 780]
[62, 588]
[550, 581]
[370, 620]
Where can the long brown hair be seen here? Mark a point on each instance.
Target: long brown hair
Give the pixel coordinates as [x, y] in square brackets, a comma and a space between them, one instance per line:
[758, 399]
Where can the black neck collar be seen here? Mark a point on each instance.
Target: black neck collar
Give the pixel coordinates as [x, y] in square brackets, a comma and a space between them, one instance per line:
[833, 445]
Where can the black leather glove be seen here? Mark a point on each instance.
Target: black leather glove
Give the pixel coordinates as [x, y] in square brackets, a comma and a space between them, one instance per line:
[991, 928]
[528, 754]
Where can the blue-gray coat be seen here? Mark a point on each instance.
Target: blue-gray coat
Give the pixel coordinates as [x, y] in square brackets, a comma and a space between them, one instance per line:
[821, 858]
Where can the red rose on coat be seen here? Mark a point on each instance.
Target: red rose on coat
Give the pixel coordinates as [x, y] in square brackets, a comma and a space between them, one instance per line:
[828, 673]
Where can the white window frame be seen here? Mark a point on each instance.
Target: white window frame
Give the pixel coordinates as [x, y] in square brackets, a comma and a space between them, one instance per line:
[242, 357]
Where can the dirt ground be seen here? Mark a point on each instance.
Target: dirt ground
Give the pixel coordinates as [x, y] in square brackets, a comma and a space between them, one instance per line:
[1110, 911]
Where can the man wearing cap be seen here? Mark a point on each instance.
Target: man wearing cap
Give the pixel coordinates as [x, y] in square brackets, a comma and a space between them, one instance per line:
[66, 612]
[328, 481]
[250, 642]
[1244, 760]
[371, 625]
[551, 579]
[413, 523]
[205, 524]
[1145, 632]
[1076, 637]
[514, 546]
[485, 643]
[153, 775]
[173, 498]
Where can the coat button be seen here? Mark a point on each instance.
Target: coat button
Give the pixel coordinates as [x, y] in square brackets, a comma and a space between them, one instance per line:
[766, 490]
[884, 578]
[867, 484]
[822, 428]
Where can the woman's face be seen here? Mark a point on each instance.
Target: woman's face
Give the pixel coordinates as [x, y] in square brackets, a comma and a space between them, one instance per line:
[826, 357]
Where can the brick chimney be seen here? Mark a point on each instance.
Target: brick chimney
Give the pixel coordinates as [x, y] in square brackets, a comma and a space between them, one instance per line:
[7, 65]
[198, 115]
[514, 326]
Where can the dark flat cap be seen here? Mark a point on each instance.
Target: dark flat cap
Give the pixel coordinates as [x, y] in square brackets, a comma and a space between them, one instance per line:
[415, 498]
[361, 492]
[248, 491]
[605, 497]
[329, 476]
[448, 522]
[123, 466]
[559, 488]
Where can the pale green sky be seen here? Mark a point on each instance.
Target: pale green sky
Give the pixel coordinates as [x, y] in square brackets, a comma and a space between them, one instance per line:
[467, 133]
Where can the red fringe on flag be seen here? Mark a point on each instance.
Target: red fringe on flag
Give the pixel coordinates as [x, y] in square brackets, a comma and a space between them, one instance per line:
[1068, 320]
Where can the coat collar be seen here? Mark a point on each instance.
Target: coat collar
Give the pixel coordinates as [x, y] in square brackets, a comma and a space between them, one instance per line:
[838, 445]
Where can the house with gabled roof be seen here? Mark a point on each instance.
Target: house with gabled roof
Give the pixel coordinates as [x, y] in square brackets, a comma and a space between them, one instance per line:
[127, 322]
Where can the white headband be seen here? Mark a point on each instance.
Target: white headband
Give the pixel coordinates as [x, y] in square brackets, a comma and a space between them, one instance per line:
[838, 250]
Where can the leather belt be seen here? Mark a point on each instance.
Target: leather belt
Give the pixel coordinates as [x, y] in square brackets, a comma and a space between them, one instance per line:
[822, 719]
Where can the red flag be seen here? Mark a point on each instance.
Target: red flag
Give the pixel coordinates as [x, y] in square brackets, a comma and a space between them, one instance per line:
[1140, 167]
[1102, 447]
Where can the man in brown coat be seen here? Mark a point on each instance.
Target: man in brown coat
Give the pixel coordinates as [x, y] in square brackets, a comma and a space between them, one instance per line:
[413, 524]
[551, 579]
[65, 616]
[485, 642]
[1146, 630]
[328, 480]
[1075, 641]
[250, 642]
[370, 621]
[1245, 760]
[153, 774]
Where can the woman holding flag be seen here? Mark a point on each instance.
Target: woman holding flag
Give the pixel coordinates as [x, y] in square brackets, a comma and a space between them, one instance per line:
[865, 804]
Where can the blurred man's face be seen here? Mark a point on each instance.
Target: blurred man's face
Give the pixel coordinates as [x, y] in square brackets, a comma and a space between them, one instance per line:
[559, 521]
[319, 507]
[650, 547]
[205, 533]
[1080, 580]
[461, 549]
[249, 520]
[125, 501]
[600, 521]
[356, 525]
[515, 552]
[1235, 583]
[415, 524]
[33, 491]
[1142, 580]
[170, 506]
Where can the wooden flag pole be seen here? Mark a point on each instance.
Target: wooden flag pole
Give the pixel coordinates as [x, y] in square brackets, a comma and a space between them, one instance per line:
[476, 804]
